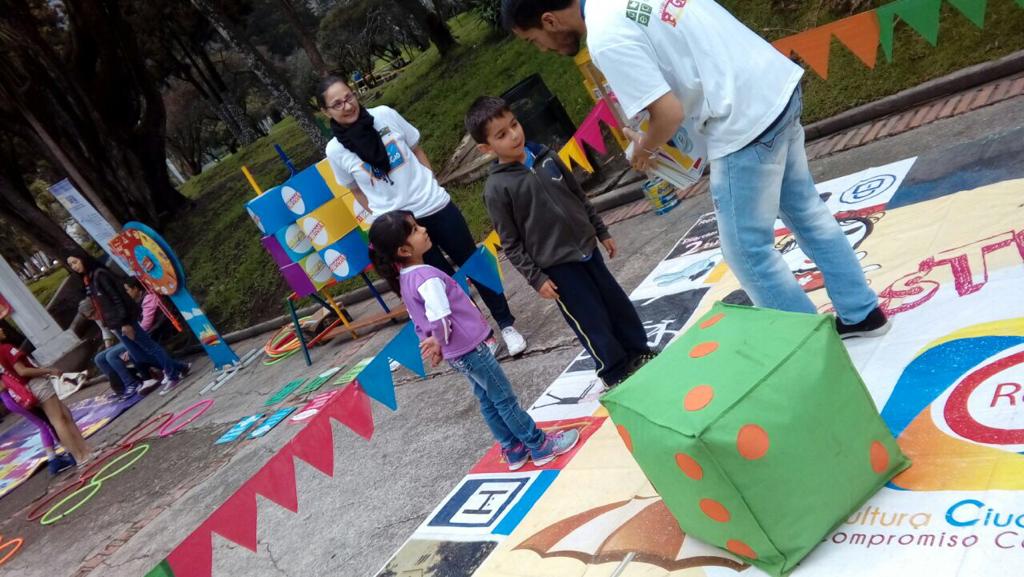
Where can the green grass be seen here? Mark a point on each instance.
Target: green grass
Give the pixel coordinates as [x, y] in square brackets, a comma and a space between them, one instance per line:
[850, 83]
[238, 284]
[44, 288]
[434, 93]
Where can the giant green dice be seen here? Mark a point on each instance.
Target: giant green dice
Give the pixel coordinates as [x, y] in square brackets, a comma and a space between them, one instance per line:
[758, 432]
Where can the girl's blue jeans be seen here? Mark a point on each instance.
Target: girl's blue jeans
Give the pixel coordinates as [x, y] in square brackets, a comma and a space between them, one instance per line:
[508, 421]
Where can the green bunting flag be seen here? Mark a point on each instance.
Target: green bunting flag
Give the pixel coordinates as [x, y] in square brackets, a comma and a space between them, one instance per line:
[923, 16]
[161, 570]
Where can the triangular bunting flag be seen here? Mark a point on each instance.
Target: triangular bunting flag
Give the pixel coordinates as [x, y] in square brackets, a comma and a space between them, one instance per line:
[194, 556]
[493, 241]
[482, 268]
[376, 381]
[921, 15]
[812, 46]
[461, 278]
[974, 10]
[859, 33]
[276, 481]
[589, 132]
[572, 153]
[161, 570]
[352, 408]
[235, 520]
[404, 349]
[603, 113]
[314, 444]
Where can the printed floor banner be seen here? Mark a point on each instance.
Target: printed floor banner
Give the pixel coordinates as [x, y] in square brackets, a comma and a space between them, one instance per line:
[948, 380]
[21, 449]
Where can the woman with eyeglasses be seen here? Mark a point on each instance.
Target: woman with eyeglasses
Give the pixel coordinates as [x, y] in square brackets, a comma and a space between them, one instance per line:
[376, 154]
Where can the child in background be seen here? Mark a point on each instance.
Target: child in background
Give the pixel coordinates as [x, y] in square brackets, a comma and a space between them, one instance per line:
[450, 327]
[15, 364]
[550, 232]
[55, 463]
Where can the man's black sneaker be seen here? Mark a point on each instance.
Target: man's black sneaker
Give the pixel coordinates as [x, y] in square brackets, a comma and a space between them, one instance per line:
[875, 325]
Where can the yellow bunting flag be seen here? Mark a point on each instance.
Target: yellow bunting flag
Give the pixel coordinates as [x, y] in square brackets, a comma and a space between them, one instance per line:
[572, 152]
[491, 243]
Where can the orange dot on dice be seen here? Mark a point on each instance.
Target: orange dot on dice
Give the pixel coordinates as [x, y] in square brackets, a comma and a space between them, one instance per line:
[740, 548]
[703, 349]
[712, 320]
[624, 433]
[689, 467]
[698, 397]
[715, 510]
[752, 442]
[879, 457]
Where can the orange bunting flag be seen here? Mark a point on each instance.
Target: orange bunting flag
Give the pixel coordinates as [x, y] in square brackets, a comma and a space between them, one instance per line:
[859, 33]
[572, 152]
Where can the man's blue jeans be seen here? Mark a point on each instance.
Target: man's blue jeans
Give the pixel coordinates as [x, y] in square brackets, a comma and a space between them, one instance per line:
[770, 178]
[507, 420]
[110, 364]
[144, 348]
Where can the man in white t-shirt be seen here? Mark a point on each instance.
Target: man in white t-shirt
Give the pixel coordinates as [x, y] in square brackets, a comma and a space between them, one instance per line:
[376, 154]
[691, 59]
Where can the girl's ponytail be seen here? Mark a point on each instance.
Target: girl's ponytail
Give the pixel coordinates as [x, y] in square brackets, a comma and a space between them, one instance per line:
[386, 268]
[388, 233]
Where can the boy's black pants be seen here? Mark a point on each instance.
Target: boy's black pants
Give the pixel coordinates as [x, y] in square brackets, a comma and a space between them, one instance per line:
[601, 315]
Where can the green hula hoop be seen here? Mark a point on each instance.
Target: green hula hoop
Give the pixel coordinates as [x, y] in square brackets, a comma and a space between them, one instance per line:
[132, 456]
[93, 488]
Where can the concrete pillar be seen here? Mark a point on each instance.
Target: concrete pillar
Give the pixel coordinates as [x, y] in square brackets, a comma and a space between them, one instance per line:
[51, 342]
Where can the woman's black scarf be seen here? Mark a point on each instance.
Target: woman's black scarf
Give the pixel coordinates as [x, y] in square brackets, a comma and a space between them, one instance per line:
[362, 139]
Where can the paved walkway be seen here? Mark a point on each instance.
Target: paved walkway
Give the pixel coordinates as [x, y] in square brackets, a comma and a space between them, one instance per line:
[383, 489]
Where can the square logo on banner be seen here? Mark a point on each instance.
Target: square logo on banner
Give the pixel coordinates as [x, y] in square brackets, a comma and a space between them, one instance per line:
[485, 507]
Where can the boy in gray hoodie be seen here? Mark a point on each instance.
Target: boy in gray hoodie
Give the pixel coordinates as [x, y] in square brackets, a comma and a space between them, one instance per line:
[549, 232]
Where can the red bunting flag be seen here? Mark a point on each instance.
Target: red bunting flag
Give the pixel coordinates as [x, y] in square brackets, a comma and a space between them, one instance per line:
[236, 519]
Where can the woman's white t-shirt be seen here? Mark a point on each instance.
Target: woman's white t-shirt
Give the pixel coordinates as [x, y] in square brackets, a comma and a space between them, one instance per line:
[412, 187]
[732, 83]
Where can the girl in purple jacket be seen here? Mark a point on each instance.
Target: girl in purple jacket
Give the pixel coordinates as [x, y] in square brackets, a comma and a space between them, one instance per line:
[451, 328]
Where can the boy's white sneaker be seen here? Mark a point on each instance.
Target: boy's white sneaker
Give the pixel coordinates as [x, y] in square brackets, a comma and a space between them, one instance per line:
[514, 342]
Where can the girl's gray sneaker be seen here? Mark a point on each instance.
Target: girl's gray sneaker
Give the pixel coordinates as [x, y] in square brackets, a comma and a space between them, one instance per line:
[554, 445]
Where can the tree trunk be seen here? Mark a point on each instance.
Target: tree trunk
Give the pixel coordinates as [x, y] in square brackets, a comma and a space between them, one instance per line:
[308, 43]
[438, 31]
[97, 113]
[259, 66]
[19, 209]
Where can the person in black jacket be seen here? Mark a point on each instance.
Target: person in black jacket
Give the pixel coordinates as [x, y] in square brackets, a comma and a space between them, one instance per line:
[120, 314]
[550, 232]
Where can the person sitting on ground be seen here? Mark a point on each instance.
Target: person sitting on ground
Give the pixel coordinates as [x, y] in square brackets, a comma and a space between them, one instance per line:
[120, 314]
[450, 327]
[112, 362]
[550, 231]
[14, 364]
[88, 311]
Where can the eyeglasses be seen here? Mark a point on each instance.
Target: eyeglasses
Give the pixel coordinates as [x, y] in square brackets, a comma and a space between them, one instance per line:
[339, 104]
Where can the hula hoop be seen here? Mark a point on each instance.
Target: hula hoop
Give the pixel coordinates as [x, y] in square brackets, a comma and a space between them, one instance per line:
[17, 547]
[91, 488]
[133, 435]
[102, 475]
[202, 405]
[101, 461]
[37, 511]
